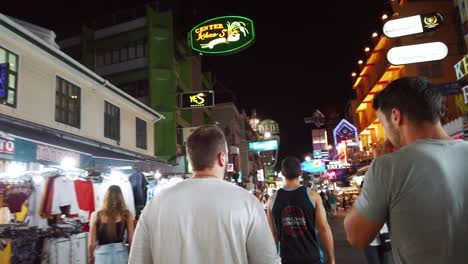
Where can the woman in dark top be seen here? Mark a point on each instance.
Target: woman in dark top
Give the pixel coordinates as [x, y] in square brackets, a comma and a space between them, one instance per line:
[108, 228]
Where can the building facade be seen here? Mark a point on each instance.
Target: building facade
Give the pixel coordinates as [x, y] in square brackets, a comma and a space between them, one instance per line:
[53, 106]
[239, 134]
[142, 55]
[375, 73]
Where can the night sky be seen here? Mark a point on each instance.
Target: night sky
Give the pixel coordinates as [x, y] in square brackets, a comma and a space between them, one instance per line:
[301, 60]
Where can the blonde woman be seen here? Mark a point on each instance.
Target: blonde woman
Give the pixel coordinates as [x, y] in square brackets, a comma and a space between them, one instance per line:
[107, 230]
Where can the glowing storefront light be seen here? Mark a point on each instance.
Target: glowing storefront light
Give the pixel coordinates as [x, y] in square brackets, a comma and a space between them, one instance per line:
[412, 25]
[432, 51]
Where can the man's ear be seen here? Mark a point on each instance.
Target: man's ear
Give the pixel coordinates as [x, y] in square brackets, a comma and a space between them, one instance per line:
[222, 159]
[396, 117]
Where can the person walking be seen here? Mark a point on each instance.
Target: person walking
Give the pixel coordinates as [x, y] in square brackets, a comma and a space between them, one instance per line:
[108, 227]
[204, 220]
[298, 219]
[421, 189]
[333, 200]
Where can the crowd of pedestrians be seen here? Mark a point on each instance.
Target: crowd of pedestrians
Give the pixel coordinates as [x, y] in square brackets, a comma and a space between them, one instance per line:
[414, 201]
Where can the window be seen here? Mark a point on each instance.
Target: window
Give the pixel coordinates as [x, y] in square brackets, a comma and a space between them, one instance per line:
[141, 136]
[99, 60]
[140, 49]
[11, 60]
[130, 51]
[111, 121]
[67, 103]
[115, 56]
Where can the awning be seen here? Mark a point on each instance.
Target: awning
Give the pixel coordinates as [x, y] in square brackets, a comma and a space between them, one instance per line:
[35, 141]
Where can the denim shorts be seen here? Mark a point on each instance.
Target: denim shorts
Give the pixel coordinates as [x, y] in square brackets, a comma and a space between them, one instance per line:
[116, 253]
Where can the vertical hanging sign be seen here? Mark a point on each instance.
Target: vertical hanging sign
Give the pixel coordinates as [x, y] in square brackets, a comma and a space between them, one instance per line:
[3, 80]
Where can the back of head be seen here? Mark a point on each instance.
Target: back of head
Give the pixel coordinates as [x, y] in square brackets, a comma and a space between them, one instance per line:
[114, 204]
[415, 97]
[204, 145]
[291, 168]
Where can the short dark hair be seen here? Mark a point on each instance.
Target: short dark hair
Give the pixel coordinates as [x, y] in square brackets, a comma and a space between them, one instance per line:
[204, 145]
[291, 168]
[414, 96]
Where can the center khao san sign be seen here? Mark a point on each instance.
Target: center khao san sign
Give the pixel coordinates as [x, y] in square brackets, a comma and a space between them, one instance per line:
[222, 35]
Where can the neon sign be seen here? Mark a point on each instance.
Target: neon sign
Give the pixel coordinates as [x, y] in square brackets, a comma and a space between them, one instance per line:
[3, 80]
[222, 35]
[263, 145]
[196, 100]
[313, 166]
[344, 131]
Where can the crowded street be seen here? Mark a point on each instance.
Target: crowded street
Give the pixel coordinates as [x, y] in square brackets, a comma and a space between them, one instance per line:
[234, 132]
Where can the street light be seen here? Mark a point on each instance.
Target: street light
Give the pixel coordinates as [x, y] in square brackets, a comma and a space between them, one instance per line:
[307, 158]
[329, 147]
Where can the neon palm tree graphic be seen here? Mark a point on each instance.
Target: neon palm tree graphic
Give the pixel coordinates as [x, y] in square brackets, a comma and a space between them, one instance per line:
[233, 34]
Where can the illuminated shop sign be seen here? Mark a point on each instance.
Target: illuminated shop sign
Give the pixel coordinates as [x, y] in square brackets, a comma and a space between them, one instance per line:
[313, 166]
[461, 68]
[431, 51]
[263, 145]
[7, 145]
[196, 100]
[55, 155]
[345, 131]
[413, 25]
[268, 125]
[336, 165]
[3, 80]
[222, 35]
[230, 167]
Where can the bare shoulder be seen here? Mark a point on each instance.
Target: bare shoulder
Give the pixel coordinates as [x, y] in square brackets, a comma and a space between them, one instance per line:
[271, 200]
[314, 195]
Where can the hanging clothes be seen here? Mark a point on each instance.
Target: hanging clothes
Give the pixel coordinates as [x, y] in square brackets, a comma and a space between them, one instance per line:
[34, 204]
[138, 182]
[4, 216]
[5, 250]
[64, 196]
[85, 195]
[16, 194]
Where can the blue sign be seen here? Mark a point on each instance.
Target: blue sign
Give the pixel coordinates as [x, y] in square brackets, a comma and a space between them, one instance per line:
[317, 154]
[263, 145]
[313, 166]
[3, 80]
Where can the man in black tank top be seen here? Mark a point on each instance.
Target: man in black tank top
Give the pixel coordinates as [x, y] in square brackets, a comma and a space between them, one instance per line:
[298, 220]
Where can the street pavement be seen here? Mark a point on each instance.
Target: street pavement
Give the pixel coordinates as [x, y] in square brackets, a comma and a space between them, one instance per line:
[344, 253]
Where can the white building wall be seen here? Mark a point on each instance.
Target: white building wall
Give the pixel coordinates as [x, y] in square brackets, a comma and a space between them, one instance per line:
[36, 87]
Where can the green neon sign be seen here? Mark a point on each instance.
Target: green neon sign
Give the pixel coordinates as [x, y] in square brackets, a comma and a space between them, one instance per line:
[263, 145]
[222, 35]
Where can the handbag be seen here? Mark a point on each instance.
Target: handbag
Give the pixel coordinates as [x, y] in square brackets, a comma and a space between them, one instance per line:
[385, 242]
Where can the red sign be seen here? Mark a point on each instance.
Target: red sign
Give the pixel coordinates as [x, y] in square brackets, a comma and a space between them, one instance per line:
[230, 167]
[7, 146]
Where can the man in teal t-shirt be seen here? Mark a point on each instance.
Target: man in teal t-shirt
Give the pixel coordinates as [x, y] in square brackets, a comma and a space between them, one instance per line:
[333, 201]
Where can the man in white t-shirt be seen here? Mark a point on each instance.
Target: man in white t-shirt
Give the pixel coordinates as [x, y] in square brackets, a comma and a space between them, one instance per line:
[204, 220]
